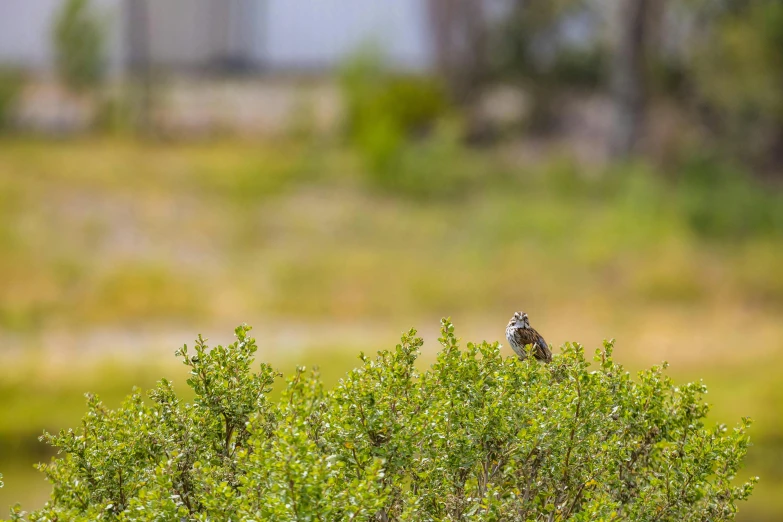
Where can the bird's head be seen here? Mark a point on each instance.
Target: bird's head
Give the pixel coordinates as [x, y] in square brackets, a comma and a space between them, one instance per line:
[520, 320]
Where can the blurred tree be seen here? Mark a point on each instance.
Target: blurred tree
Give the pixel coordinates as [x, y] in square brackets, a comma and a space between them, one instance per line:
[722, 62]
[629, 75]
[736, 75]
[460, 34]
[534, 45]
[79, 45]
[139, 63]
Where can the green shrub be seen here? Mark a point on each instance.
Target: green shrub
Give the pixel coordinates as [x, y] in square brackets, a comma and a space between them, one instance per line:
[370, 91]
[385, 111]
[475, 437]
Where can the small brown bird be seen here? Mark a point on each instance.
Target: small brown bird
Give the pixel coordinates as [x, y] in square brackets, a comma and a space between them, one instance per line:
[519, 333]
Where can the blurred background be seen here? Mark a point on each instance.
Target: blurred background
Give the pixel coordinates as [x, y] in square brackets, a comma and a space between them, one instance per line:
[334, 172]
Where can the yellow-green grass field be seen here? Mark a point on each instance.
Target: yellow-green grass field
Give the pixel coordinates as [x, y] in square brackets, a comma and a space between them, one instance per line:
[114, 252]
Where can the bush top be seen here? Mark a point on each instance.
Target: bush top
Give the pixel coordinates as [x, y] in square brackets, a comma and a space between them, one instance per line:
[474, 437]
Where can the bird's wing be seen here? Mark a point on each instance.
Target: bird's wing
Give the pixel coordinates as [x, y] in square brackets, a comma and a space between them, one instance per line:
[541, 342]
[531, 336]
[520, 335]
[543, 348]
[527, 336]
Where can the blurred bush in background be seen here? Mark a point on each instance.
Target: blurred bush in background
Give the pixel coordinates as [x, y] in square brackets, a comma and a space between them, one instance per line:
[736, 73]
[78, 37]
[723, 201]
[390, 118]
[11, 84]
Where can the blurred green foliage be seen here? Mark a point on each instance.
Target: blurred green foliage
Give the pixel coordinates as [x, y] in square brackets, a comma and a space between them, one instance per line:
[11, 84]
[738, 71]
[721, 201]
[720, 63]
[385, 114]
[530, 47]
[436, 167]
[78, 41]
[529, 41]
[114, 114]
[476, 436]
[372, 92]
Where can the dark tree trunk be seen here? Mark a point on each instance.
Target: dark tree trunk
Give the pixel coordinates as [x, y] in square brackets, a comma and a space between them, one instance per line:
[139, 62]
[459, 36]
[629, 75]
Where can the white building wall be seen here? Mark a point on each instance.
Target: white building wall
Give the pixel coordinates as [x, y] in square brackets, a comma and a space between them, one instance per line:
[281, 34]
[318, 33]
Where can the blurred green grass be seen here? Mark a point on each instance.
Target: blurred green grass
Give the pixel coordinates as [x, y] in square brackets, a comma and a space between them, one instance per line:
[98, 232]
[116, 235]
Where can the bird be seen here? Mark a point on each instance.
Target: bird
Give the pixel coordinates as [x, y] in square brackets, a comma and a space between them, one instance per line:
[519, 333]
